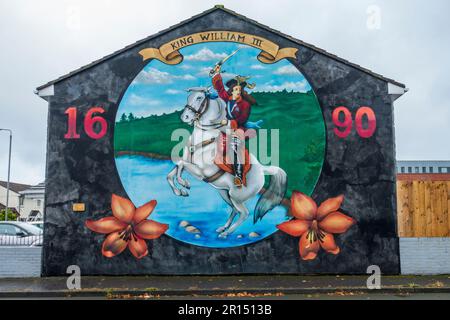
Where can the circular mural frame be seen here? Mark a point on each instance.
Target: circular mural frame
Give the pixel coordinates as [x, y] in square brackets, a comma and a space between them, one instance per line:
[149, 112]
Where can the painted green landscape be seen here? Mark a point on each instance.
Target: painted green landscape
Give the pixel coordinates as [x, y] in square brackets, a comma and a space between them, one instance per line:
[297, 116]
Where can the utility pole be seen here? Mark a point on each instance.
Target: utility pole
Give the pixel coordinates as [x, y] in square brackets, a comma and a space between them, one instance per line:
[9, 173]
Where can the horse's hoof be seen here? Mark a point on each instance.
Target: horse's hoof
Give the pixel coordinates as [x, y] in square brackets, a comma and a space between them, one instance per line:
[184, 193]
[221, 229]
[223, 235]
[184, 183]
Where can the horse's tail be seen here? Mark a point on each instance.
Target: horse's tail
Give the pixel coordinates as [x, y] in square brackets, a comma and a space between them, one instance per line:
[273, 195]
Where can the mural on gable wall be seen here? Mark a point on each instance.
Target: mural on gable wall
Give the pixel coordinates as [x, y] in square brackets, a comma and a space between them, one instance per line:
[222, 140]
[201, 151]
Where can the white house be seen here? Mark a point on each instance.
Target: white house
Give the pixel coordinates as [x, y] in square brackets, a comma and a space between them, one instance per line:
[14, 195]
[31, 203]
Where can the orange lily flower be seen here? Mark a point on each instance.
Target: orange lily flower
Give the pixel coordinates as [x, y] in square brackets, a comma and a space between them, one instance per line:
[316, 225]
[127, 227]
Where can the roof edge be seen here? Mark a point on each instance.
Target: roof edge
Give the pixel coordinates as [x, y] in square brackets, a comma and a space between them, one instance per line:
[237, 15]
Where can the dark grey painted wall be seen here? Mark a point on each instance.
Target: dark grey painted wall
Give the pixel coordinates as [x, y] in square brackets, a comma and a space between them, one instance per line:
[84, 170]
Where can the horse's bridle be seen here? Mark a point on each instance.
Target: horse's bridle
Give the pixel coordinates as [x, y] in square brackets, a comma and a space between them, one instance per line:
[200, 112]
[203, 108]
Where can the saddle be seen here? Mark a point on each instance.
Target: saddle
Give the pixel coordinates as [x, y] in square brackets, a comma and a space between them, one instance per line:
[224, 162]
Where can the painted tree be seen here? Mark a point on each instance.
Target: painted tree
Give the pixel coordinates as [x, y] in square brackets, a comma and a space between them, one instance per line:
[123, 118]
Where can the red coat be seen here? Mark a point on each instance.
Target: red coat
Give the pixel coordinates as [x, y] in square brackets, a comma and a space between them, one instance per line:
[241, 112]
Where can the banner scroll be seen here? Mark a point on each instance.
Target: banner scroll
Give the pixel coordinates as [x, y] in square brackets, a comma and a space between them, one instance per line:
[169, 52]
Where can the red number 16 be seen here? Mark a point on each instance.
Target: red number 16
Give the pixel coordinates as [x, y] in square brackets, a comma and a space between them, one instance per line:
[347, 123]
[89, 121]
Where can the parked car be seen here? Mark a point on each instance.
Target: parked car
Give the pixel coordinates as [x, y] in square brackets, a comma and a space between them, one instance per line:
[39, 224]
[13, 233]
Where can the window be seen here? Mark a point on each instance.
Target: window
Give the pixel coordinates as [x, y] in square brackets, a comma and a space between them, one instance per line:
[424, 169]
[416, 170]
[21, 199]
[38, 203]
[34, 215]
[409, 169]
[19, 231]
[440, 170]
[403, 169]
[431, 169]
[7, 230]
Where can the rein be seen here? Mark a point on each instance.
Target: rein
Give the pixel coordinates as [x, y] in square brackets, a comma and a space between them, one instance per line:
[204, 107]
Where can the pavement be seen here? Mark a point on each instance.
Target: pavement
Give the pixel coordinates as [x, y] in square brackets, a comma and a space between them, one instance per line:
[191, 287]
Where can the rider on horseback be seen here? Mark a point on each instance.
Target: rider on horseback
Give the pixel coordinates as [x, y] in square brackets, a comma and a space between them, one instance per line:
[239, 104]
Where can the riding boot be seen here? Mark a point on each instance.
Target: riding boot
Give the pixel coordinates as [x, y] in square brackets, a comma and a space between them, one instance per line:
[237, 163]
[238, 174]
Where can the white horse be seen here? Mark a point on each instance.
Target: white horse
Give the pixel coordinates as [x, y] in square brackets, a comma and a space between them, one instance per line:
[208, 117]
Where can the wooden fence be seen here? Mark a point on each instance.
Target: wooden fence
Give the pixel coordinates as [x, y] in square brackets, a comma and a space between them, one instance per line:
[423, 203]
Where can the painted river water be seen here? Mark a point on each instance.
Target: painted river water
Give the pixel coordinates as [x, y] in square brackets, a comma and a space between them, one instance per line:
[200, 214]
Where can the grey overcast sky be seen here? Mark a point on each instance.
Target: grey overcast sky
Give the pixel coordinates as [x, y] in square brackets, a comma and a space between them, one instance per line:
[41, 40]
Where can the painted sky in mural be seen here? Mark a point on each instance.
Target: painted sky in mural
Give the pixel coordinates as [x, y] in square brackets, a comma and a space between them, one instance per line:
[161, 88]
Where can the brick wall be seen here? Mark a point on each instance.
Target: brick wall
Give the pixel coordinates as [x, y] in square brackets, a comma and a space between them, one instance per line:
[20, 262]
[425, 255]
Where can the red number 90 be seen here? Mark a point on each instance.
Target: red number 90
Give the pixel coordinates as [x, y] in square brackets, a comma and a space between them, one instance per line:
[347, 123]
